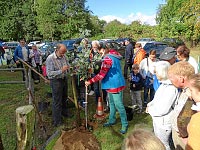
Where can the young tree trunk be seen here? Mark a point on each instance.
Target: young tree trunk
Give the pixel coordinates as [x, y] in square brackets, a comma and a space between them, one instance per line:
[78, 119]
[1, 143]
[25, 118]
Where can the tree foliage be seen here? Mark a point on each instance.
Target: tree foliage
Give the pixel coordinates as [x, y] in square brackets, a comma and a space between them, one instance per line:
[65, 19]
[179, 18]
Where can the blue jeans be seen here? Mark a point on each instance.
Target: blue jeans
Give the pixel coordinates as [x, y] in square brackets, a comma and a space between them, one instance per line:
[116, 103]
[59, 93]
[146, 93]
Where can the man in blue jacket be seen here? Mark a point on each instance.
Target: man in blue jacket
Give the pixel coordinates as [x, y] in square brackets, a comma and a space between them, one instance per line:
[21, 51]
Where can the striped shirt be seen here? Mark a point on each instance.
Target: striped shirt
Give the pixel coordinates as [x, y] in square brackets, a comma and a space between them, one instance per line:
[54, 66]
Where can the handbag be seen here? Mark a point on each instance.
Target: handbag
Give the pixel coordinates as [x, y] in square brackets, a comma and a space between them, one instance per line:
[148, 83]
[184, 118]
[148, 80]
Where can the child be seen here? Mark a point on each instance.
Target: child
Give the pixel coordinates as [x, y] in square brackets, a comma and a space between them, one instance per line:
[136, 83]
[44, 72]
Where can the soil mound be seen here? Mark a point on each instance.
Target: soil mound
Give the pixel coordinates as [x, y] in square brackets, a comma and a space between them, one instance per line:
[76, 140]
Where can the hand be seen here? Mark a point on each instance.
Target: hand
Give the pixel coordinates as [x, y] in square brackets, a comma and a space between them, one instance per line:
[87, 83]
[17, 62]
[64, 68]
[133, 85]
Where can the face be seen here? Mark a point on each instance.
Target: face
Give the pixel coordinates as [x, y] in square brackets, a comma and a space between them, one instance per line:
[61, 52]
[95, 47]
[126, 42]
[135, 70]
[102, 52]
[22, 43]
[177, 81]
[195, 93]
[172, 60]
[179, 56]
[34, 47]
[152, 57]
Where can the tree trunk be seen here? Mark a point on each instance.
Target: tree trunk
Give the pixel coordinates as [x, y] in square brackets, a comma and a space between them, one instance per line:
[78, 119]
[1, 143]
[25, 118]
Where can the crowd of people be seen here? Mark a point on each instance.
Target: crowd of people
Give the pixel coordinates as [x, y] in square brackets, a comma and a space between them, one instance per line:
[170, 87]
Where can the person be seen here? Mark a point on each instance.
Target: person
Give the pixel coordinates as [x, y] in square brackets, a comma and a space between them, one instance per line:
[169, 55]
[136, 84]
[56, 67]
[128, 57]
[164, 98]
[139, 53]
[183, 54]
[178, 74]
[36, 62]
[8, 58]
[147, 71]
[193, 126]
[142, 139]
[113, 81]
[2, 52]
[44, 70]
[95, 86]
[22, 51]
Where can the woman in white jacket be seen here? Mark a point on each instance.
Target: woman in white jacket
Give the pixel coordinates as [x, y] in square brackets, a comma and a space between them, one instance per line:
[161, 107]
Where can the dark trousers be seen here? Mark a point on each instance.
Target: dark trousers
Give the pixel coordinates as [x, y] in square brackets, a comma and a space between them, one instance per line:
[38, 68]
[20, 65]
[59, 93]
[146, 93]
[127, 66]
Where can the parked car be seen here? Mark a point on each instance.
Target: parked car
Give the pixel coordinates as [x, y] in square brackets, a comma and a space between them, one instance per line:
[71, 44]
[143, 41]
[158, 46]
[37, 43]
[117, 47]
[173, 42]
[10, 46]
[47, 49]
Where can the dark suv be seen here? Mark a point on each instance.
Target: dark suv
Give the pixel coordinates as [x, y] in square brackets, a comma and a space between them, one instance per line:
[157, 46]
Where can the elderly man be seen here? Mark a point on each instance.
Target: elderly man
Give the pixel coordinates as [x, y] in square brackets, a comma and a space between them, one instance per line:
[178, 73]
[57, 66]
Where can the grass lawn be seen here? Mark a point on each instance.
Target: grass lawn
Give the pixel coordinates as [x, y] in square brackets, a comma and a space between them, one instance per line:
[13, 96]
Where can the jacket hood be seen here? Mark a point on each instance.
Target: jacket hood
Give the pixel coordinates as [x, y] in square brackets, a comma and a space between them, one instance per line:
[114, 53]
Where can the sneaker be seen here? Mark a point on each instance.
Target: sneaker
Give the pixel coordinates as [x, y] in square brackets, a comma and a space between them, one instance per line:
[133, 107]
[108, 124]
[91, 93]
[123, 130]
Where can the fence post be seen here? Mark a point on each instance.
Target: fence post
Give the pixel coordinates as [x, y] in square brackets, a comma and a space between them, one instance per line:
[25, 119]
[30, 86]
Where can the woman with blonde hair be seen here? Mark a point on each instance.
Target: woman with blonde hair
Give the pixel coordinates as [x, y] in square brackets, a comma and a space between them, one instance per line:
[142, 139]
[193, 127]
